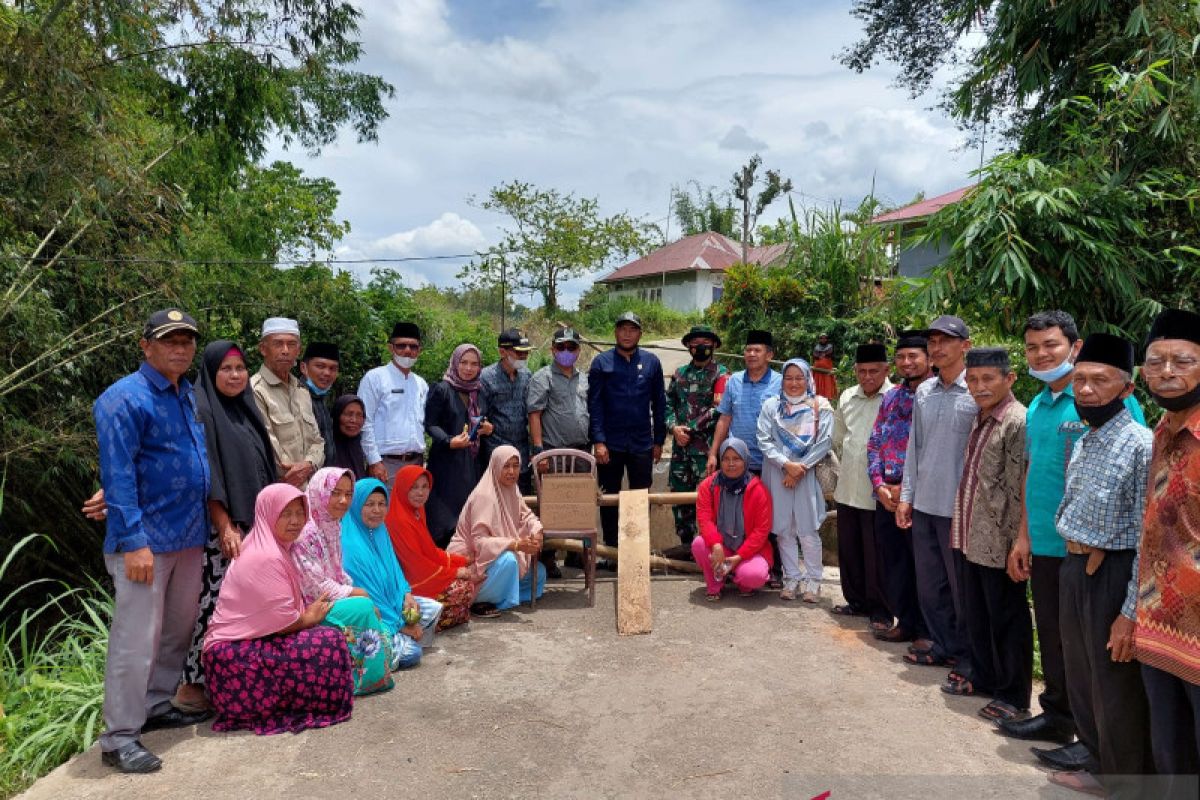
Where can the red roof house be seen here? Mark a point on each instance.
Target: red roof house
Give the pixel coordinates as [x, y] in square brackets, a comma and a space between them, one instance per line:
[686, 275]
[914, 261]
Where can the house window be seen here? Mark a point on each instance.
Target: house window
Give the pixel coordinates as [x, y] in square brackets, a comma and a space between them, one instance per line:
[717, 292]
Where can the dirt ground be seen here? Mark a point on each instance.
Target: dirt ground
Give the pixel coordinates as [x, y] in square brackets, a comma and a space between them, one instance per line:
[744, 698]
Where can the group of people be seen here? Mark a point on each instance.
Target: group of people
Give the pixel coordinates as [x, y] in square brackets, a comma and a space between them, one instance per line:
[950, 495]
[262, 571]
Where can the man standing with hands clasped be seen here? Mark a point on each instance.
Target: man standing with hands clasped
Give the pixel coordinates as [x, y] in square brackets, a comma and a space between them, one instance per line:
[627, 405]
[154, 470]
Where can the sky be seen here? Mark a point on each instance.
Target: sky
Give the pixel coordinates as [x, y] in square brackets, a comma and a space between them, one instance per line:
[618, 100]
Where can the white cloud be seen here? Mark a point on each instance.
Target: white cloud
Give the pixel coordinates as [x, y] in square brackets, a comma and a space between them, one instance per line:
[449, 234]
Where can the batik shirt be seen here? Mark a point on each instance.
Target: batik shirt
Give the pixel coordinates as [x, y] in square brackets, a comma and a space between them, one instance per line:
[888, 444]
[690, 403]
[987, 508]
[1168, 604]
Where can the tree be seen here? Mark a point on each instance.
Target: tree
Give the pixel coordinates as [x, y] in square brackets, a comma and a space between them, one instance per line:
[1095, 209]
[702, 210]
[744, 181]
[553, 237]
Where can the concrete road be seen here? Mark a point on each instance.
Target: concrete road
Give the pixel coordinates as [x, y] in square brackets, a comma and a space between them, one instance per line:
[743, 698]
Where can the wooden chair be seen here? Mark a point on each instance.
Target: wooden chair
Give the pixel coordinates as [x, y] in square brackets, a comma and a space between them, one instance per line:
[568, 496]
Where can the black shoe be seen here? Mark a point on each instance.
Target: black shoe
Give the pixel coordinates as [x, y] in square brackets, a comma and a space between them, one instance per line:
[573, 560]
[552, 571]
[132, 758]
[1041, 727]
[1069, 758]
[174, 718]
[607, 564]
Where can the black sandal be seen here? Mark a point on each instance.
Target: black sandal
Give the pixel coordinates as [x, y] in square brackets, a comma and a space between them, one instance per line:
[847, 611]
[958, 685]
[1000, 711]
[924, 659]
[484, 610]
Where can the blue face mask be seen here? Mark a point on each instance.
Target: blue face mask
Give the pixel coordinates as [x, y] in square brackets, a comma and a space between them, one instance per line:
[312, 387]
[1051, 375]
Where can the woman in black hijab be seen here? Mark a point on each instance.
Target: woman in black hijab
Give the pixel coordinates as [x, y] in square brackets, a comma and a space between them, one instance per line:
[241, 464]
[348, 415]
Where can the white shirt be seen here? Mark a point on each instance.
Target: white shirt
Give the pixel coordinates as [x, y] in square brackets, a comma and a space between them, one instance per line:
[395, 406]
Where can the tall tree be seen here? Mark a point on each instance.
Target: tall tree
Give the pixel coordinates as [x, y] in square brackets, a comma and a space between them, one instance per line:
[744, 181]
[703, 209]
[552, 237]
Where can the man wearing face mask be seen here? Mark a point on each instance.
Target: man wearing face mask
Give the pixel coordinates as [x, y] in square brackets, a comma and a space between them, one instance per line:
[691, 420]
[502, 390]
[627, 412]
[393, 396]
[557, 399]
[1168, 626]
[1100, 519]
[1052, 426]
[319, 366]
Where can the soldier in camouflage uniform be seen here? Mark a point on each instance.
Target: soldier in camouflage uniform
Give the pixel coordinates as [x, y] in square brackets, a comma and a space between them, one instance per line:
[691, 420]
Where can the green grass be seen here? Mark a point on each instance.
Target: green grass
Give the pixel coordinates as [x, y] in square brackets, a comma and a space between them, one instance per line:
[51, 678]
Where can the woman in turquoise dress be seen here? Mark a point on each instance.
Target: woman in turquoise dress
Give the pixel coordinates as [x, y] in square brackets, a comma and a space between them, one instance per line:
[370, 560]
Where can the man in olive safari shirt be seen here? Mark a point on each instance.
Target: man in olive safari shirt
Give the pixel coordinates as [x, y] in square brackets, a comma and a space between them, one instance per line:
[285, 405]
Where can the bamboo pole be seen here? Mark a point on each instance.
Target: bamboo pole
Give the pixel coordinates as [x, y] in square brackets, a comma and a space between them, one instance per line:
[576, 546]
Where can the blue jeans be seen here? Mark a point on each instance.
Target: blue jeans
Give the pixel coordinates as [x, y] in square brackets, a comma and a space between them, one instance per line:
[503, 587]
[406, 651]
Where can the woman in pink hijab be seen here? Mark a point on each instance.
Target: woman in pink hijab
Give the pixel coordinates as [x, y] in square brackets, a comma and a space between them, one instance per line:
[270, 664]
[500, 537]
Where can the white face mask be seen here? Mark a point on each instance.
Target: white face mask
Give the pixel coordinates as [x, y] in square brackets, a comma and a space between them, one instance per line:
[404, 362]
[794, 400]
[514, 363]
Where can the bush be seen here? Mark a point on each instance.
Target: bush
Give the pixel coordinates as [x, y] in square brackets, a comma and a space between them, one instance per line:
[51, 680]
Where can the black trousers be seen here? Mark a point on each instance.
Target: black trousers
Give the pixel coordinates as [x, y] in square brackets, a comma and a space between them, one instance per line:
[1000, 633]
[639, 467]
[1174, 731]
[1043, 581]
[858, 563]
[939, 569]
[895, 555]
[1107, 698]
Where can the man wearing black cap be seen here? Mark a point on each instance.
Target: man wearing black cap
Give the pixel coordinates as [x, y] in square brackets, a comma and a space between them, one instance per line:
[502, 390]
[627, 406]
[943, 412]
[1167, 637]
[858, 562]
[319, 365]
[1100, 518]
[691, 420]
[154, 470]
[557, 399]
[887, 449]
[987, 513]
[393, 396]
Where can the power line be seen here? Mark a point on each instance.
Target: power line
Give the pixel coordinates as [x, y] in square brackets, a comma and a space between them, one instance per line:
[235, 261]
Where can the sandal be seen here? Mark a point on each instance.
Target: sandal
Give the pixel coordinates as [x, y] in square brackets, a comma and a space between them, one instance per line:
[745, 593]
[713, 597]
[847, 611]
[1000, 711]
[878, 626]
[485, 610]
[924, 659]
[958, 685]
[921, 646]
[787, 593]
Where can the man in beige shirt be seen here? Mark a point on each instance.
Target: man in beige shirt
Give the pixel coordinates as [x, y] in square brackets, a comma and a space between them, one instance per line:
[285, 405]
[861, 570]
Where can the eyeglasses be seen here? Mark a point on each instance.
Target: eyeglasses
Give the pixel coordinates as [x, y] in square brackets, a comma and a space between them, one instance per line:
[1181, 365]
[405, 346]
[566, 346]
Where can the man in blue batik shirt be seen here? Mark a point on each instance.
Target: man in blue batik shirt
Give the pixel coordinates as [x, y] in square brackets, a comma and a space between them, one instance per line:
[154, 470]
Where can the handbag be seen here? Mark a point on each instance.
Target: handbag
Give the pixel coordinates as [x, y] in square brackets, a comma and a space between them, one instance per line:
[827, 468]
